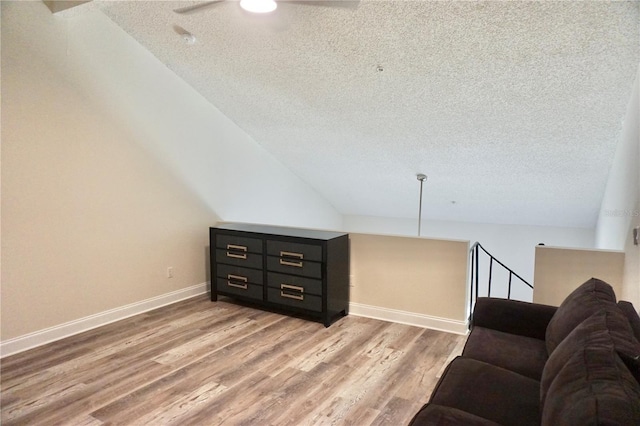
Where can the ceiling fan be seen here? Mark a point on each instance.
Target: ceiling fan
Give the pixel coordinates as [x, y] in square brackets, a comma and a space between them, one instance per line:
[266, 6]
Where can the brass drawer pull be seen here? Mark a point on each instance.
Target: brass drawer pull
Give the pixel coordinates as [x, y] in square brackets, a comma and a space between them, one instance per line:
[297, 264]
[291, 287]
[292, 296]
[291, 254]
[294, 288]
[238, 278]
[236, 255]
[242, 286]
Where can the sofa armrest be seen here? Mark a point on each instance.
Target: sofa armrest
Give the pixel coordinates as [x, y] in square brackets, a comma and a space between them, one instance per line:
[513, 316]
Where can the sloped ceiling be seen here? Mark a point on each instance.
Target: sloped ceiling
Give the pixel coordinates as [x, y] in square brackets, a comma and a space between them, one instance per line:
[512, 109]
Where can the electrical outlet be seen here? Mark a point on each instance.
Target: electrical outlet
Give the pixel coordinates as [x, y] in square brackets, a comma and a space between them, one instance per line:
[170, 272]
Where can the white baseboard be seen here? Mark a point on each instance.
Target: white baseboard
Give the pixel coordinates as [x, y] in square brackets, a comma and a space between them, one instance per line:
[409, 318]
[48, 335]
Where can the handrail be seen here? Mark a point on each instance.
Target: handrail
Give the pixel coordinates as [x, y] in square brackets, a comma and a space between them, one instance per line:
[474, 252]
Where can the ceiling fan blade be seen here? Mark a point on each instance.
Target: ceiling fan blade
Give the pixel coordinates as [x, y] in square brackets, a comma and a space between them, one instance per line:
[197, 8]
[347, 4]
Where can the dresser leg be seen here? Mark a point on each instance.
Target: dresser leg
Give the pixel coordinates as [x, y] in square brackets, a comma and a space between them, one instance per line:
[214, 297]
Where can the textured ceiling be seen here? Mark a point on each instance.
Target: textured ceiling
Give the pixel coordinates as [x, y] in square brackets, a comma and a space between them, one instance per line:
[512, 109]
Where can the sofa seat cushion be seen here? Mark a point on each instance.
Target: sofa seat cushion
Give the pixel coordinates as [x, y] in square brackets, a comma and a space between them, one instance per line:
[489, 392]
[438, 415]
[593, 388]
[590, 297]
[520, 354]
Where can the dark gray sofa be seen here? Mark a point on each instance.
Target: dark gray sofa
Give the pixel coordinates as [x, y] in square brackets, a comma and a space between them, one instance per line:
[531, 364]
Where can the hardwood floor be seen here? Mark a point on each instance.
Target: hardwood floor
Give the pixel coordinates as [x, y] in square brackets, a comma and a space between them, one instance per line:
[203, 363]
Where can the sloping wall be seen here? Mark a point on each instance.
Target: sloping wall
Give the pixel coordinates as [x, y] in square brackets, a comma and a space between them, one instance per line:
[631, 281]
[112, 171]
[620, 210]
[623, 186]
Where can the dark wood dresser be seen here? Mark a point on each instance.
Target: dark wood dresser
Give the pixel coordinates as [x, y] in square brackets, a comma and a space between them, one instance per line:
[292, 270]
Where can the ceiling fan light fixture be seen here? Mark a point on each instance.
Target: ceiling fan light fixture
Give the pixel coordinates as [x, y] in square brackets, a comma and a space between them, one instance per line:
[258, 6]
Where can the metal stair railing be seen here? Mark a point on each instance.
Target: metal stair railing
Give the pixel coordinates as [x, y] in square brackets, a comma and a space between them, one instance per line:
[475, 274]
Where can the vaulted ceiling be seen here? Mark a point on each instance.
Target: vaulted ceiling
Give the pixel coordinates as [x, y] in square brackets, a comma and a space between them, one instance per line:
[513, 109]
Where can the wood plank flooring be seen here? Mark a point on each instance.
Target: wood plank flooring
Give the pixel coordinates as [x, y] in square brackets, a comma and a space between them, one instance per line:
[203, 363]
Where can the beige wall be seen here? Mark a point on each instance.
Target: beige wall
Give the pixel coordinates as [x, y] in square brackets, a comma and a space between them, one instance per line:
[558, 271]
[112, 171]
[90, 221]
[513, 245]
[631, 281]
[417, 275]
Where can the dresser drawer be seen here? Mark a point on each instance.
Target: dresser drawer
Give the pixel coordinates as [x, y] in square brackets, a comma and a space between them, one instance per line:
[295, 298]
[239, 288]
[239, 244]
[282, 282]
[295, 251]
[296, 267]
[253, 276]
[247, 260]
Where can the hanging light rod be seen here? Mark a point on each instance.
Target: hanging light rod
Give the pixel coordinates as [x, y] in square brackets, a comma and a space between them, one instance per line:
[421, 177]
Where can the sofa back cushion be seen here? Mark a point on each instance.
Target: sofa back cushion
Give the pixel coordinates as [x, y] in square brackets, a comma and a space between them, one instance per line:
[587, 299]
[608, 329]
[632, 362]
[593, 388]
[632, 315]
